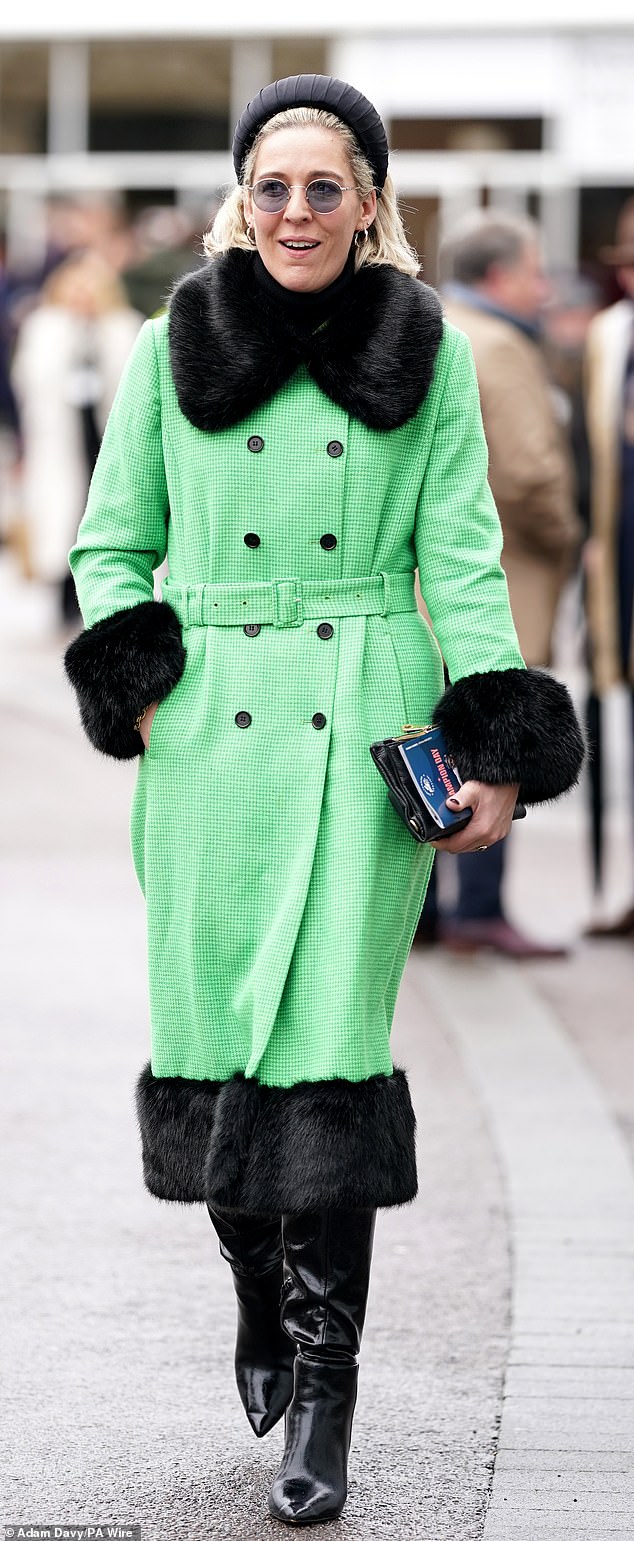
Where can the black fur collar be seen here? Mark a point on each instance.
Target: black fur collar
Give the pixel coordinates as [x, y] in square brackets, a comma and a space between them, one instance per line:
[232, 346]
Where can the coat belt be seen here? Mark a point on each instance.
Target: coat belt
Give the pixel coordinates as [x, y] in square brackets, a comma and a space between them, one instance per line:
[289, 601]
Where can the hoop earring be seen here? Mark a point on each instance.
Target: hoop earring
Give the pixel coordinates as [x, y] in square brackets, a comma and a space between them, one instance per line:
[250, 236]
[361, 233]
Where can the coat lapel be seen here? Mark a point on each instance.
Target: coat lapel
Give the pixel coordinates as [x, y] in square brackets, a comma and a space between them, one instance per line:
[232, 347]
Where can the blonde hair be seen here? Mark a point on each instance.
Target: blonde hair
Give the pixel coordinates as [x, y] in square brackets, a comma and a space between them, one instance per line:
[84, 274]
[386, 242]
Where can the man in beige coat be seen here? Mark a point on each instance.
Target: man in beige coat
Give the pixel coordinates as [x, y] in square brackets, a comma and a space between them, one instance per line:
[495, 291]
[609, 391]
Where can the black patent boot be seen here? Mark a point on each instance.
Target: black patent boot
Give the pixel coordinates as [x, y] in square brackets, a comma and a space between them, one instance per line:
[264, 1353]
[327, 1257]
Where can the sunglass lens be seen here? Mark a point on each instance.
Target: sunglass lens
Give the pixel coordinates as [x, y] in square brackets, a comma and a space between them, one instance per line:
[324, 197]
[270, 195]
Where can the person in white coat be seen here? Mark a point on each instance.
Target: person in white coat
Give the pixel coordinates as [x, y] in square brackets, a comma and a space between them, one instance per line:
[66, 368]
[609, 555]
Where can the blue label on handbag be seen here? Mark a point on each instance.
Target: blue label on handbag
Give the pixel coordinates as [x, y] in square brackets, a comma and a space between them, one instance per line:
[435, 777]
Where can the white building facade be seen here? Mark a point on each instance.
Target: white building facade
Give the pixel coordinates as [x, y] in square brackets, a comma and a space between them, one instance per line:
[533, 111]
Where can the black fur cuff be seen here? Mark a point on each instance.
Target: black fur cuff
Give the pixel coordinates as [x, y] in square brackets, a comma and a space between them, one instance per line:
[513, 725]
[120, 665]
[272, 1150]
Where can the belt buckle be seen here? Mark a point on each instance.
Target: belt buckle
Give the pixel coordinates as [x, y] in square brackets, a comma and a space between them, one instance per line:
[287, 602]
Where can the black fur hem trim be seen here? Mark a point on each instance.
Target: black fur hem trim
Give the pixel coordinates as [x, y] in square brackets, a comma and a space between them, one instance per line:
[233, 347]
[272, 1150]
[513, 725]
[120, 665]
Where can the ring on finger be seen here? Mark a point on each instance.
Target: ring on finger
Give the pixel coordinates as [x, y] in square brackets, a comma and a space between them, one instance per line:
[481, 848]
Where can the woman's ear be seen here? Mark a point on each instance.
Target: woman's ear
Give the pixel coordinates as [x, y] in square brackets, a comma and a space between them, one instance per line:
[368, 209]
[247, 205]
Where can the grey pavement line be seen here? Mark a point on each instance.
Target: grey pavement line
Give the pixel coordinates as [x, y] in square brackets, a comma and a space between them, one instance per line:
[565, 1162]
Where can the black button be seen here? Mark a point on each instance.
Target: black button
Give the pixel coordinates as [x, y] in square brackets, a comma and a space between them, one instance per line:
[335, 448]
[255, 443]
[328, 542]
[325, 630]
[251, 539]
[252, 629]
[243, 719]
[319, 720]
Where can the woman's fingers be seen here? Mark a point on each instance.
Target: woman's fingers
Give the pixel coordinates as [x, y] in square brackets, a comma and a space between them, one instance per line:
[492, 814]
[146, 725]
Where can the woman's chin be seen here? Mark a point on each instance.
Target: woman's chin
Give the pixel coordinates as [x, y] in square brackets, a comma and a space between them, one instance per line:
[301, 274]
[297, 274]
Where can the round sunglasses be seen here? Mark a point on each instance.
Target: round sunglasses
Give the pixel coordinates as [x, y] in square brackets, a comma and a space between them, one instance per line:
[270, 195]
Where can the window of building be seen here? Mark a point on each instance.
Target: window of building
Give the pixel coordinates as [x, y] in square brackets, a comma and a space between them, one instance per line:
[160, 96]
[23, 98]
[466, 134]
[299, 56]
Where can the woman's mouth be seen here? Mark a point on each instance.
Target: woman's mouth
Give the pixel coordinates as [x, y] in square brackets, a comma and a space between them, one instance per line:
[299, 246]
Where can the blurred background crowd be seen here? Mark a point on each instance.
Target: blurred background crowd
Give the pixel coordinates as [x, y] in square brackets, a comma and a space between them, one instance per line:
[512, 155]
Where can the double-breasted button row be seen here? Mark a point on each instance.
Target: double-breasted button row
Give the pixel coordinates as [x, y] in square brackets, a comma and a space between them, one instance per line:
[324, 629]
[255, 443]
[244, 720]
[327, 541]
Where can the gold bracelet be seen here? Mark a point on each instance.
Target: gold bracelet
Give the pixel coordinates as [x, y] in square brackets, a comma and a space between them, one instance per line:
[138, 720]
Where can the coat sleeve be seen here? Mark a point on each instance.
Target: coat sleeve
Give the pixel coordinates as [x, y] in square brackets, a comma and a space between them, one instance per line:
[503, 723]
[131, 652]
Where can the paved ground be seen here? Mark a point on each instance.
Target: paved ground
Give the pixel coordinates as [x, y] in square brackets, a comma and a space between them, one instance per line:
[497, 1388]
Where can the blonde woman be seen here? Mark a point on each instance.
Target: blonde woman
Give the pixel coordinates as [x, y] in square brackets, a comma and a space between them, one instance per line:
[297, 436]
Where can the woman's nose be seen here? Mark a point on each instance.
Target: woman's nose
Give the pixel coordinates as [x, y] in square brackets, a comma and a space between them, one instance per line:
[297, 206]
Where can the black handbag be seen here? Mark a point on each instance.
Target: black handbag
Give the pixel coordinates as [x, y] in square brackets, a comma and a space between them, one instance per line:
[420, 777]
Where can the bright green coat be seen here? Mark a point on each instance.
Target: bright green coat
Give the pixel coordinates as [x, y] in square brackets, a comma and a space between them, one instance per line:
[282, 889]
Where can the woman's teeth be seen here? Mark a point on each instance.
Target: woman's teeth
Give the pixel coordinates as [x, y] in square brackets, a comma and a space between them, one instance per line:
[300, 245]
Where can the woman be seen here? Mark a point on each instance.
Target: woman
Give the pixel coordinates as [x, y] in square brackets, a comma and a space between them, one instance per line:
[314, 431]
[67, 365]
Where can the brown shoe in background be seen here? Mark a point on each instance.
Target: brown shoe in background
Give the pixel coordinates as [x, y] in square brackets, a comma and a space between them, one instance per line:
[623, 926]
[497, 934]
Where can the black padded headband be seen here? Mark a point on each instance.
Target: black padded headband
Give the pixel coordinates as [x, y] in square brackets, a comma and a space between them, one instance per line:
[334, 96]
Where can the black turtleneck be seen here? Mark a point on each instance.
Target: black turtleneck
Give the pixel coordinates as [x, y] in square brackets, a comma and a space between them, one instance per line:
[305, 310]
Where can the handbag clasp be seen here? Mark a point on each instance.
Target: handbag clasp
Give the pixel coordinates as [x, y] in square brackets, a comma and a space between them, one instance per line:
[410, 729]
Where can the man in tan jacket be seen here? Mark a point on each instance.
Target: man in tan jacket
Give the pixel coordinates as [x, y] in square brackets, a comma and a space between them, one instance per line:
[495, 292]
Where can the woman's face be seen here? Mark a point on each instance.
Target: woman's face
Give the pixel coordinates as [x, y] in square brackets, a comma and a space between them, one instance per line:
[303, 250]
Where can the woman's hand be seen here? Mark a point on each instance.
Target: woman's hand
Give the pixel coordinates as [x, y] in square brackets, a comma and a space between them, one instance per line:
[492, 815]
[146, 725]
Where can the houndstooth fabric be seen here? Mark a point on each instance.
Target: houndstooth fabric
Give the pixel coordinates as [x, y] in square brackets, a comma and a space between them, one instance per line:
[282, 889]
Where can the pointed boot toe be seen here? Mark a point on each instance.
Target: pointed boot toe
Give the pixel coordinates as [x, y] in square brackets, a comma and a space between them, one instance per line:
[300, 1501]
[265, 1395]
